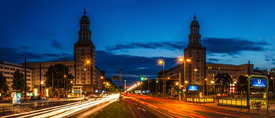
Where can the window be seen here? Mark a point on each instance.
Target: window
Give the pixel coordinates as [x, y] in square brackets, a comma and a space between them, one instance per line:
[1, 67]
[7, 68]
[28, 79]
[12, 68]
[7, 73]
[28, 71]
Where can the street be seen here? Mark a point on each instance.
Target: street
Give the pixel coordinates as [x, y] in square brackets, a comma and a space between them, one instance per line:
[145, 107]
[76, 109]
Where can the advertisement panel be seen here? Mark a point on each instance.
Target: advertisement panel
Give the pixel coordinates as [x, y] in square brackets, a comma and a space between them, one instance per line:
[259, 83]
[13, 96]
[18, 97]
[193, 88]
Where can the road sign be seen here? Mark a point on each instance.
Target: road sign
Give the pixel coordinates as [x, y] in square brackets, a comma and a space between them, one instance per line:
[259, 83]
[115, 77]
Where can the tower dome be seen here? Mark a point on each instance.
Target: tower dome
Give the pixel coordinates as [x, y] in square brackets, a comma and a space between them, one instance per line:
[194, 22]
[84, 17]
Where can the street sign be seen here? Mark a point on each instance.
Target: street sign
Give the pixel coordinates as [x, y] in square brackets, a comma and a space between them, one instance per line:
[115, 77]
[259, 83]
[193, 88]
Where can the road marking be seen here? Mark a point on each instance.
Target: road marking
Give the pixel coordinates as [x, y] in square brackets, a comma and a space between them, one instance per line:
[163, 113]
[138, 108]
[143, 109]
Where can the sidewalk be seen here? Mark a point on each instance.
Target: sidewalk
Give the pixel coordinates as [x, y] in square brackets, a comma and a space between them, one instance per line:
[271, 109]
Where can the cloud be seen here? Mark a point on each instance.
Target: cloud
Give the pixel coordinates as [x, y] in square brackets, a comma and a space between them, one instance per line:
[17, 56]
[56, 44]
[149, 45]
[212, 59]
[231, 45]
[25, 47]
[133, 65]
[213, 45]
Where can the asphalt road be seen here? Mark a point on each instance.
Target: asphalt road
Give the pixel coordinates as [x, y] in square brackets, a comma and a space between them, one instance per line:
[75, 109]
[165, 108]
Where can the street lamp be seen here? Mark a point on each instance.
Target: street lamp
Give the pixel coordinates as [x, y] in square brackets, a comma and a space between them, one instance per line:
[64, 77]
[164, 82]
[185, 61]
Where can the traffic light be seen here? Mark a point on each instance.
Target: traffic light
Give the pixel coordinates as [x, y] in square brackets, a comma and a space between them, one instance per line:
[179, 91]
[121, 88]
[157, 81]
[72, 91]
[142, 78]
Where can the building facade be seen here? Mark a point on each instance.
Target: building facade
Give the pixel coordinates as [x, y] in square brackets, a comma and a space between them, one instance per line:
[8, 69]
[198, 71]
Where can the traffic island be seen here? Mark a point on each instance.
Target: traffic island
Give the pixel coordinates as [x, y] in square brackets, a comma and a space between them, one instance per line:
[114, 110]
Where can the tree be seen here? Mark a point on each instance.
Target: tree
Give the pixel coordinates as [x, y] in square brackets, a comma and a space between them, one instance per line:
[58, 77]
[242, 84]
[18, 81]
[3, 84]
[110, 86]
[223, 81]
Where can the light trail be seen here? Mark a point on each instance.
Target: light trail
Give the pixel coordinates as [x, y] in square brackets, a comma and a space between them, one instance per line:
[64, 110]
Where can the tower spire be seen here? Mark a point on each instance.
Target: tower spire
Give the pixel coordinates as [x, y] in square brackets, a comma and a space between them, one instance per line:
[195, 16]
[84, 11]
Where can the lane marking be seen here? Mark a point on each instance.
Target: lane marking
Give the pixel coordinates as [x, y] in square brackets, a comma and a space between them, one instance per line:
[143, 109]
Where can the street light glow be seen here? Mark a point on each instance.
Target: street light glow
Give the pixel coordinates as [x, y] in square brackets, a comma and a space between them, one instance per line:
[186, 82]
[160, 61]
[188, 60]
[195, 70]
[181, 59]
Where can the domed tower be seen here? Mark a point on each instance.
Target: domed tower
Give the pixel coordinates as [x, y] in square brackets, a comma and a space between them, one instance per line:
[84, 34]
[195, 71]
[84, 50]
[194, 36]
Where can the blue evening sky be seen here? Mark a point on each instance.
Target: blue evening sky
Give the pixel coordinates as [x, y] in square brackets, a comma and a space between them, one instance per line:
[133, 34]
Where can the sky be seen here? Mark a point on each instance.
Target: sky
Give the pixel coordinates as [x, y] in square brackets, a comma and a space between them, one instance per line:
[134, 34]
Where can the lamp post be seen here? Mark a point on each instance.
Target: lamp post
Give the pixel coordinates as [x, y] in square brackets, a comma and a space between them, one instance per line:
[84, 83]
[64, 77]
[164, 82]
[180, 59]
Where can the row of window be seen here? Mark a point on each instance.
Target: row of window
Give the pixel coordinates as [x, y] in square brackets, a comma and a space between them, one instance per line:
[7, 68]
[219, 68]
